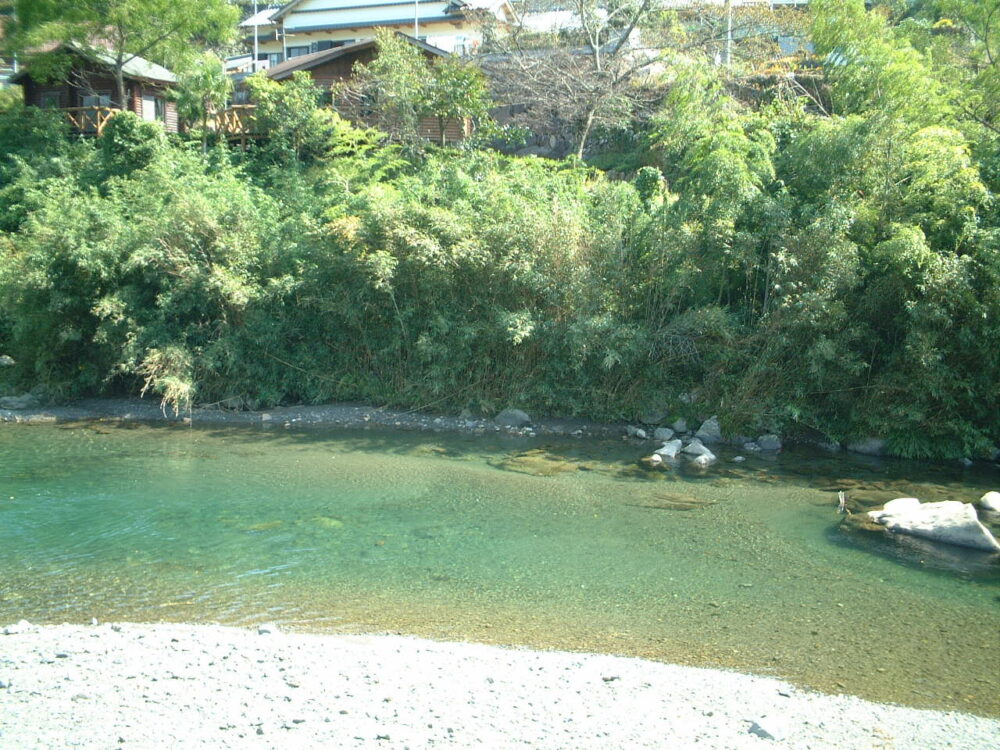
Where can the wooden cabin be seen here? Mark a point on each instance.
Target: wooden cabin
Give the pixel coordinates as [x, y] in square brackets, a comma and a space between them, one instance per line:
[88, 94]
[331, 67]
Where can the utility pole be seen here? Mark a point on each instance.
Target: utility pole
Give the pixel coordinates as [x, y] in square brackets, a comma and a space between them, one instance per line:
[729, 32]
[416, 18]
[256, 39]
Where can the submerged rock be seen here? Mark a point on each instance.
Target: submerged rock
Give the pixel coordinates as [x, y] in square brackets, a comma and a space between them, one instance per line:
[538, 462]
[328, 522]
[635, 432]
[6, 360]
[949, 521]
[704, 460]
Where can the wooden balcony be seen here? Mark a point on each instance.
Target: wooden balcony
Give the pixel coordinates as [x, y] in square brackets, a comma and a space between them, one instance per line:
[89, 120]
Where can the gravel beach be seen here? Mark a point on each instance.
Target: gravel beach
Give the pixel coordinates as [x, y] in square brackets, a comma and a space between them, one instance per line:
[156, 686]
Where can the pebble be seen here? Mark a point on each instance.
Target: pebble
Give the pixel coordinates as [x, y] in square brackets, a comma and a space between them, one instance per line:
[390, 691]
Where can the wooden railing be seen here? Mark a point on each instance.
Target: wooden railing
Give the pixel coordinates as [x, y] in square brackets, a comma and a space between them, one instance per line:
[89, 119]
[239, 120]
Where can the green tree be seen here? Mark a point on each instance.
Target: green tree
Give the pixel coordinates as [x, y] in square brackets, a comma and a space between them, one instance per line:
[393, 88]
[165, 31]
[202, 91]
[457, 90]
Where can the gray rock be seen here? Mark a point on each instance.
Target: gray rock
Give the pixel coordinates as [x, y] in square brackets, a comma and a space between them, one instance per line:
[949, 521]
[705, 459]
[24, 401]
[696, 448]
[662, 433]
[680, 425]
[739, 459]
[6, 360]
[990, 501]
[770, 728]
[4, 684]
[709, 432]
[769, 442]
[868, 446]
[653, 416]
[512, 418]
[635, 432]
[268, 628]
[670, 449]
[751, 447]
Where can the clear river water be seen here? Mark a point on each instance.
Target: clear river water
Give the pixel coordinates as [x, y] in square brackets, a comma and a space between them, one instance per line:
[564, 544]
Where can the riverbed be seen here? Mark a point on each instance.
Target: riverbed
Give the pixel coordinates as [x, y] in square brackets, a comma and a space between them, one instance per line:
[546, 542]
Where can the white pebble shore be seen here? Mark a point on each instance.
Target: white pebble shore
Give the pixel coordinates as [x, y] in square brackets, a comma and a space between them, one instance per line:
[183, 686]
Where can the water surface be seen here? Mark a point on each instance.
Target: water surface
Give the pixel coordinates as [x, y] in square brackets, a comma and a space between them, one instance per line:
[506, 540]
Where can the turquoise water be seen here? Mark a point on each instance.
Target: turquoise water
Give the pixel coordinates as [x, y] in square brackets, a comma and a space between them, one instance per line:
[506, 540]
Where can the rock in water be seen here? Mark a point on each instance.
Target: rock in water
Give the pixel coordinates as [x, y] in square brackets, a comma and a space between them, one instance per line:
[950, 521]
[696, 448]
[662, 434]
[769, 443]
[669, 449]
[680, 425]
[24, 401]
[512, 418]
[868, 446]
[6, 360]
[635, 432]
[704, 460]
[990, 501]
[709, 432]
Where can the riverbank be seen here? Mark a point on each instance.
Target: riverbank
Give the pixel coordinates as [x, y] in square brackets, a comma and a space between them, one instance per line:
[151, 686]
[297, 417]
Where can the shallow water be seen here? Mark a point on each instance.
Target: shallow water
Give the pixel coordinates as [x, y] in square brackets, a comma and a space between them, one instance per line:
[506, 540]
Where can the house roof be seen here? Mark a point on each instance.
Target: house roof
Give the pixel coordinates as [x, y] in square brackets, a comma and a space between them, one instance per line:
[138, 68]
[456, 6]
[306, 62]
[261, 18]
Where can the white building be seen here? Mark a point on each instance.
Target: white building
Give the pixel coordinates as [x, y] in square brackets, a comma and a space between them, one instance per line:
[302, 27]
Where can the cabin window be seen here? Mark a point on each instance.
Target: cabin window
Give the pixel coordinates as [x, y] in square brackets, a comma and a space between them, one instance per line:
[97, 99]
[298, 51]
[154, 108]
[50, 99]
[273, 58]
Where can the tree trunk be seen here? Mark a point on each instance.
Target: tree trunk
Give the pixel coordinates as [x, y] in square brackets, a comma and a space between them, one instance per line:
[120, 82]
[442, 127]
[586, 132]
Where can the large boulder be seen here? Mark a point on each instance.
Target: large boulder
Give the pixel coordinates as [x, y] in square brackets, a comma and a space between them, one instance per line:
[709, 432]
[949, 521]
[512, 418]
[24, 401]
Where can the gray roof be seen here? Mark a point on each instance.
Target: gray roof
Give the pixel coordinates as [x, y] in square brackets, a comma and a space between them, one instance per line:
[135, 68]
